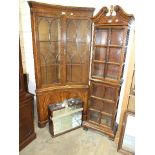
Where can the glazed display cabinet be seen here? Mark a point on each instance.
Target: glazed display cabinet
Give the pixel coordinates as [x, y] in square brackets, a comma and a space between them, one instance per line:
[110, 41]
[61, 44]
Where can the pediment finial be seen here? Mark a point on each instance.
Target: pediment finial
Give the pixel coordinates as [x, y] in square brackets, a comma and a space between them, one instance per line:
[111, 10]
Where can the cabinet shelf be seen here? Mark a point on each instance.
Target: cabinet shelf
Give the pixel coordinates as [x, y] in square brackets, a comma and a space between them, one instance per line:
[103, 99]
[72, 41]
[101, 79]
[106, 46]
[103, 113]
[105, 62]
[75, 64]
[48, 41]
[98, 80]
[98, 61]
[46, 65]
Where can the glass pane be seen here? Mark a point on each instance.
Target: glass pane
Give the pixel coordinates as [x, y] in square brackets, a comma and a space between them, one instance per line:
[77, 50]
[108, 107]
[98, 90]
[94, 116]
[112, 71]
[101, 36]
[98, 70]
[67, 122]
[106, 120]
[96, 104]
[55, 30]
[114, 55]
[100, 54]
[43, 29]
[49, 62]
[117, 37]
[74, 73]
[110, 93]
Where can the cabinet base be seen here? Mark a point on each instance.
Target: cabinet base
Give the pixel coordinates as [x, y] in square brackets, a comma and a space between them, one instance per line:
[27, 141]
[111, 133]
[42, 124]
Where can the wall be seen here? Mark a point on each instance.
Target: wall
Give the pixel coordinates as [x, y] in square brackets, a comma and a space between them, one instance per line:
[26, 34]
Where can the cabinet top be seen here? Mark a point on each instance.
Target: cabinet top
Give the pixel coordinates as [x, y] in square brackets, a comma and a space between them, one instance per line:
[33, 4]
[113, 16]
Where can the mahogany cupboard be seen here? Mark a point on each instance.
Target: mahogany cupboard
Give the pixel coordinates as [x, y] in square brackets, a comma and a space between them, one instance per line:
[61, 43]
[110, 41]
[62, 47]
[26, 124]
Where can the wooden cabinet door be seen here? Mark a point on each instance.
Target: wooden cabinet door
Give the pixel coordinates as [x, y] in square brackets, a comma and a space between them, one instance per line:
[26, 121]
[49, 50]
[108, 53]
[78, 36]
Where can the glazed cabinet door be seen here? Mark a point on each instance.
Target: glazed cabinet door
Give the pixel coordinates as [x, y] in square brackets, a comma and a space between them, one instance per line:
[108, 53]
[48, 50]
[78, 37]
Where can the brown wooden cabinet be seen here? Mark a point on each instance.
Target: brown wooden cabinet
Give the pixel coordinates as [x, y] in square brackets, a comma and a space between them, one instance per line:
[110, 42]
[61, 43]
[26, 116]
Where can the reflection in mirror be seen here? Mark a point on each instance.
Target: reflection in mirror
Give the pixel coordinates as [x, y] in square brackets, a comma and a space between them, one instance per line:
[127, 138]
[129, 135]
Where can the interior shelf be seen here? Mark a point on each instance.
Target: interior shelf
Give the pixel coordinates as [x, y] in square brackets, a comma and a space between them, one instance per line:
[103, 99]
[106, 46]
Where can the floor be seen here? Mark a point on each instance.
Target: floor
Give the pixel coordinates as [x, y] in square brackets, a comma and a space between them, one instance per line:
[76, 142]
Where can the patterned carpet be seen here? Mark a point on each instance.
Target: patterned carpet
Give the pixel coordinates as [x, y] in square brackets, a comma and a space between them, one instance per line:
[76, 142]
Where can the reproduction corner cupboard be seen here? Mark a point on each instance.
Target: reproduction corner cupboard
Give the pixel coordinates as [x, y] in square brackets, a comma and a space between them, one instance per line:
[110, 40]
[61, 44]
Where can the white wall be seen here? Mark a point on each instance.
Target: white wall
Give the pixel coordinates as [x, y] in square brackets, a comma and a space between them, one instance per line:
[26, 34]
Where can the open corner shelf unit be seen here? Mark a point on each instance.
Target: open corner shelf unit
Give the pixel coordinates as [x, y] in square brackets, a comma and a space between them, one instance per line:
[62, 46]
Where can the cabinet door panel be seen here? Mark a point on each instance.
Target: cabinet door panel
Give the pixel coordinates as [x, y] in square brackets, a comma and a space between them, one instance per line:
[106, 120]
[97, 90]
[108, 108]
[49, 62]
[25, 122]
[101, 36]
[100, 54]
[103, 91]
[112, 72]
[73, 73]
[96, 104]
[114, 55]
[49, 50]
[98, 70]
[116, 37]
[55, 33]
[78, 37]
[43, 29]
[94, 116]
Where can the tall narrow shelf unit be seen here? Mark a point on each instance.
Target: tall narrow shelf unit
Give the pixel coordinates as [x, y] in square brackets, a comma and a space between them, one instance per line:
[61, 44]
[110, 41]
